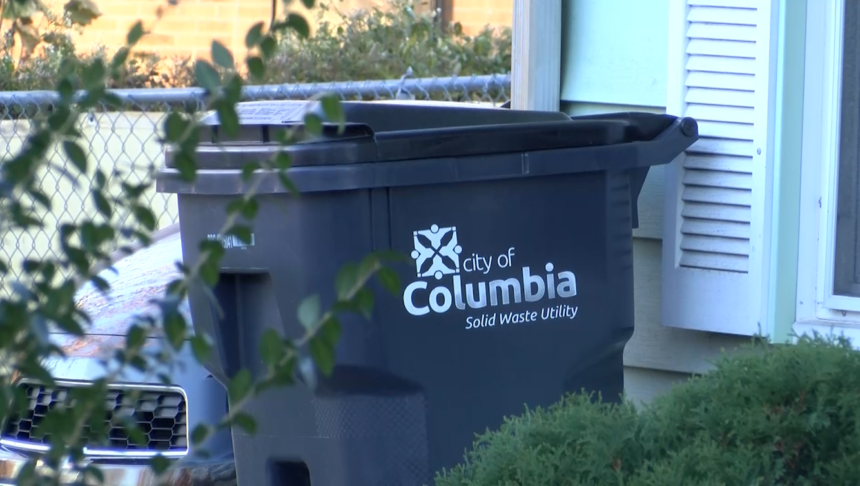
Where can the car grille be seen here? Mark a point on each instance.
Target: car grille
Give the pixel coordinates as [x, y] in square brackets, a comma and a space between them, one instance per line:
[159, 413]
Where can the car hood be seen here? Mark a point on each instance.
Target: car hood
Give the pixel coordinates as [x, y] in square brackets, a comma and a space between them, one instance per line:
[135, 281]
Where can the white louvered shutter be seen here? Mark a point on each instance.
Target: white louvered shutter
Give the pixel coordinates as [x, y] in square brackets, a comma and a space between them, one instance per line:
[717, 192]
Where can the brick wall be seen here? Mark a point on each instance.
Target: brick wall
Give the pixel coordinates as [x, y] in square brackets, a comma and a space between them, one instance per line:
[189, 27]
[475, 14]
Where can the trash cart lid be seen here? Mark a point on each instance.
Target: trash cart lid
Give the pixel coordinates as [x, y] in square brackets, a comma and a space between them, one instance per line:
[383, 132]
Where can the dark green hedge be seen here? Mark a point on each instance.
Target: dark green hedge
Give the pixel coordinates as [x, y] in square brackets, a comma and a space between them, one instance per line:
[785, 415]
[379, 44]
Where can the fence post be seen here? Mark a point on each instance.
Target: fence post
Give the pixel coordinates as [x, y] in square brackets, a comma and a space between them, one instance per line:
[536, 64]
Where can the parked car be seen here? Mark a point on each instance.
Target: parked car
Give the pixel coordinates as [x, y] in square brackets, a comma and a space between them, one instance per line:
[166, 413]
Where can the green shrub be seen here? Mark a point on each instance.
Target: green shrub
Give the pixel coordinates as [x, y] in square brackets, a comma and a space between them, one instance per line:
[785, 415]
[383, 44]
[363, 45]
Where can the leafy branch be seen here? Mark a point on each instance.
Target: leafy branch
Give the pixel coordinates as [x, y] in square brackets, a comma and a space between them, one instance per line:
[44, 299]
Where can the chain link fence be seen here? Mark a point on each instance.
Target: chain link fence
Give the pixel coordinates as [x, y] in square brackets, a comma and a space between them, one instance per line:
[125, 143]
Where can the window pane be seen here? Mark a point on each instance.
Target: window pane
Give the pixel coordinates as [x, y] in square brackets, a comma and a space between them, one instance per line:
[847, 258]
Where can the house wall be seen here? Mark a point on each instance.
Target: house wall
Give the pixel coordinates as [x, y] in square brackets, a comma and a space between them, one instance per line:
[474, 15]
[614, 58]
[189, 27]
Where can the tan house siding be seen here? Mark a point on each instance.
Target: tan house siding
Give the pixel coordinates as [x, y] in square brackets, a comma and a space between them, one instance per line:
[189, 27]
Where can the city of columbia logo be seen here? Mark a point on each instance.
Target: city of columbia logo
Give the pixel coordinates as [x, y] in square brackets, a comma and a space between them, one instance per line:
[437, 253]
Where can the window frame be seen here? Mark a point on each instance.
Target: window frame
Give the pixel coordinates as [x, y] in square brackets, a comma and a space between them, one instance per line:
[818, 307]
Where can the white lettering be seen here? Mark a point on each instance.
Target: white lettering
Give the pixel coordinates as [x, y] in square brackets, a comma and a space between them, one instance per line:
[505, 287]
[407, 299]
[558, 312]
[478, 263]
[566, 284]
[482, 295]
[485, 320]
[434, 299]
[532, 288]
[528, 281]
[550, 281]
[518, 317]
[458, 294]
[488, 264]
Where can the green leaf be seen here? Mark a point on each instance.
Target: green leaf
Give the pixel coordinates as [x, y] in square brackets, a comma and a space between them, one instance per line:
[145, 216]
[346, 280]
[322, 354]
[368, 266]
[268, 46]
[250, 208]
[313, 124]
[233, 89]
[135, 337]
[390, 256]
[135, 435]
[120, 58]
[363, 301]
[76, 155]
[309, 311]
[174, 127]
[206, 75]
[283, 160]
[222, 56]
[102, 204]
[272, 347]
[101, 179]
[245, 422]
[242, 232]
[201, 348]
[240, 386]
[297, 23]
[135, 33]
[309, 3]
[228, 118]
[159, 464]
[330, 331]
[390, 280]
[111, 100]
[94, 73]
[134, 191]
[99, 283]
[256, 67]
[200, 433]
[288, 183]
[254, 35]
[139, 363]
[210, 272]
[186, 165]
[333, 109]
[248, 170]
[81, 12]
[89, 237]
[235, 206]
[60, 116]
[214, 248]
[174, 328]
